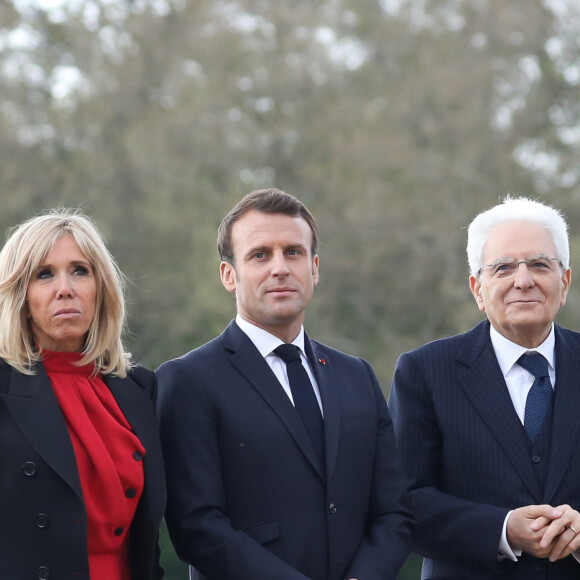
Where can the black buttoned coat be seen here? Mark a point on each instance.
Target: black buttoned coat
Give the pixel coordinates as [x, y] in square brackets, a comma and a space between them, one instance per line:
[43, 521]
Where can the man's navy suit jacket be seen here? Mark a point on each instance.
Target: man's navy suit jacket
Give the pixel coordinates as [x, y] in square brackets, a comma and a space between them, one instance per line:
[247, 496]
[469, 457]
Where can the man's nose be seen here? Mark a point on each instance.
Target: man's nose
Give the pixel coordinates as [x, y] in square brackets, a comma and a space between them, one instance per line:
[523, 277]
[279, 264]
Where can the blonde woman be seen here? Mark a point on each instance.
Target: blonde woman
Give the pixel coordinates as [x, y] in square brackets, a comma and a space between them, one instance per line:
[81, 487]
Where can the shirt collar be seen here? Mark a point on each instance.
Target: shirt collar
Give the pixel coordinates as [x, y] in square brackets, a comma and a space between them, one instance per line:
[508, 352]
[263, 340]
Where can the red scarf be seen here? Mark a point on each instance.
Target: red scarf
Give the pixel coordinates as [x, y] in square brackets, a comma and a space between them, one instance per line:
[109, 460]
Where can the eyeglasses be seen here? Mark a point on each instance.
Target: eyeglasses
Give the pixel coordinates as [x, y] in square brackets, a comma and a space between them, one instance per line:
[536, 267]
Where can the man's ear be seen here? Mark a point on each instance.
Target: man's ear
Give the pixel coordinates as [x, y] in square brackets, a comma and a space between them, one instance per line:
[315, 262]
[566, 281]
[475, 287]
[228, 276]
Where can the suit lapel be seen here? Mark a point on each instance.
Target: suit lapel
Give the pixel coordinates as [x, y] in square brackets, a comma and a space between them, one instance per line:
[35, 409]
[328, 381]
[484, 385]
[251, 364]
[566, 427]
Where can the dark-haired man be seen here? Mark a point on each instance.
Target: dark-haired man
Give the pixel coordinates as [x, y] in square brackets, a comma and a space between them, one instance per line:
[278, 467]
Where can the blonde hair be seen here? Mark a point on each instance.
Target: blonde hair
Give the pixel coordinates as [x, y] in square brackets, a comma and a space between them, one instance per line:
[24, 251]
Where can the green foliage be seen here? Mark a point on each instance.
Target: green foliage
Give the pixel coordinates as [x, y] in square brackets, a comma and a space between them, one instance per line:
[174, 569]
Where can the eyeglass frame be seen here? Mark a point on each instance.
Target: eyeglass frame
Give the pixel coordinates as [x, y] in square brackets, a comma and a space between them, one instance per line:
[517, 263]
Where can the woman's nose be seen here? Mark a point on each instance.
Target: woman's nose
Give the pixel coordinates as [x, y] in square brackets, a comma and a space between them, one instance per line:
[64, 287]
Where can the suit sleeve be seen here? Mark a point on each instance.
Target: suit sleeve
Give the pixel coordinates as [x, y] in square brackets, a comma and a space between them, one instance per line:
[196, 515]
[448, 526]
[387, 541]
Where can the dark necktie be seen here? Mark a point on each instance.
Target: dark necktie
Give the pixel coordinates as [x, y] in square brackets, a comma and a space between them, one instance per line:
[540, 395]
[304, 397]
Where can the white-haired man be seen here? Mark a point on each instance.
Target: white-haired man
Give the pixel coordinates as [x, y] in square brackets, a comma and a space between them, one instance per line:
[487, 421]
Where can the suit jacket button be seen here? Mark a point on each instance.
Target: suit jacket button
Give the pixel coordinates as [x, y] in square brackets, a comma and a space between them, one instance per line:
[42, 521]
[332, 507]
[536, 458]
[42, 573]
[29, 469]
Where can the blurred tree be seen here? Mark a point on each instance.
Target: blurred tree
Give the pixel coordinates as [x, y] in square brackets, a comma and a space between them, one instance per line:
[396, 122]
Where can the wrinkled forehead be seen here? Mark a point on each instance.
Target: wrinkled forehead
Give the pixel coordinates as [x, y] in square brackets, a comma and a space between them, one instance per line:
[518, 240]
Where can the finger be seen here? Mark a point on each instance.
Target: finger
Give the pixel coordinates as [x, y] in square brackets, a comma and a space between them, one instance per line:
[564, 508]
[559, 526]
[565, 545]
[555, 529]
[539, 523]
[565, 519]
[544, 510]
[574, 543]
[564, 513]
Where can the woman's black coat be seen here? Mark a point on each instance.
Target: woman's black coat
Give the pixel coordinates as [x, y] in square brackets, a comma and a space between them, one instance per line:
[43, 521]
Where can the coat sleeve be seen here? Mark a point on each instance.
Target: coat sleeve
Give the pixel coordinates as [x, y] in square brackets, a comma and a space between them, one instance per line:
[448, 526]
[387, 541]
[196, 515]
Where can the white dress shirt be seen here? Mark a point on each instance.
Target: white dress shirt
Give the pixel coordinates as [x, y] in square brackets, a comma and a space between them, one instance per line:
[266, 343]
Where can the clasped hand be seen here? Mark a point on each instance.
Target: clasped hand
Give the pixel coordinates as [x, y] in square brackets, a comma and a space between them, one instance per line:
[544, 531]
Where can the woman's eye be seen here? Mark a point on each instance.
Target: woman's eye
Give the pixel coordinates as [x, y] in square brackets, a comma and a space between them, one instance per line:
[43, 274]
[81, 271]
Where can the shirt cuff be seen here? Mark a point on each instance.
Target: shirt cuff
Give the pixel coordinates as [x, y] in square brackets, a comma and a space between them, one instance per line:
[505, 550]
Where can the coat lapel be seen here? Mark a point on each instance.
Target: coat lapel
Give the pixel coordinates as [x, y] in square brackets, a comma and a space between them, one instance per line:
[566, 427]
[138, 407]
[250, 363]
[327, 378]
[35, 409]
[484, 385]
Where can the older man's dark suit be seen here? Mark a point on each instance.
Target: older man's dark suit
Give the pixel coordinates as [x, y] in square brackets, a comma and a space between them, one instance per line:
[247, 497]
[43, 522]
[468, 454]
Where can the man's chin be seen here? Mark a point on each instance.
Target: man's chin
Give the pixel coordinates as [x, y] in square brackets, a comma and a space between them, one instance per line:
[527, 330]
[285, 315]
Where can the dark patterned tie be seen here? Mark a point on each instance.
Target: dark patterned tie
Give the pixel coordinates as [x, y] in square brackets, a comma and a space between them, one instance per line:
[540, 395]
[304, 396]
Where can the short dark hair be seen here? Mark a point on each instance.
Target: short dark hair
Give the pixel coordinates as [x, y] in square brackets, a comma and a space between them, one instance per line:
[267, 201]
